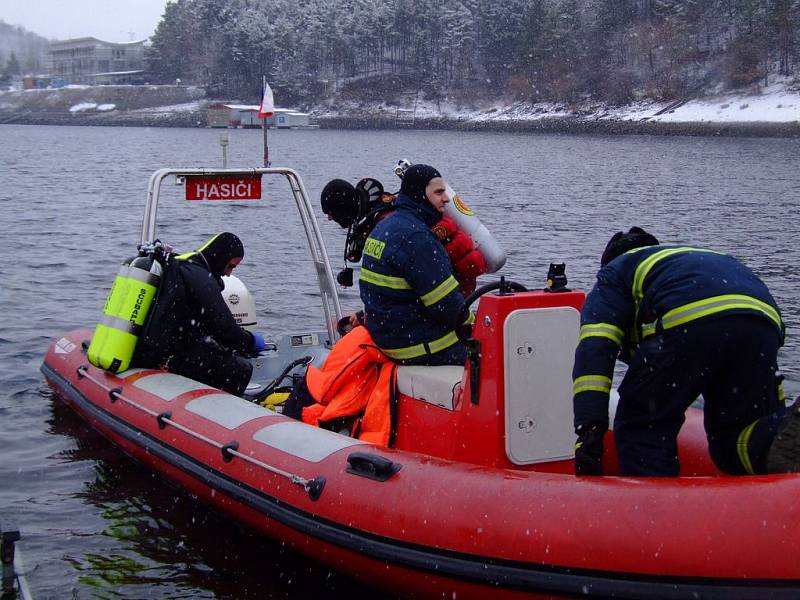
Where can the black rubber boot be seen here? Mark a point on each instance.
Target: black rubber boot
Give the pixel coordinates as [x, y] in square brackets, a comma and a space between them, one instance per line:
[784, 453]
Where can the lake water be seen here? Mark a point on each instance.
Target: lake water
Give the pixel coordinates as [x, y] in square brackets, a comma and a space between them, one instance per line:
[97, 525]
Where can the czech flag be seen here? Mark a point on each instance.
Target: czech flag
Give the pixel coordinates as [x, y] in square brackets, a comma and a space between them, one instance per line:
[267, 107]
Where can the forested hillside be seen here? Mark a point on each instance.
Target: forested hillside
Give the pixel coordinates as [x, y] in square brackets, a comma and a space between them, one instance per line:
[21, 51]
[614, 50]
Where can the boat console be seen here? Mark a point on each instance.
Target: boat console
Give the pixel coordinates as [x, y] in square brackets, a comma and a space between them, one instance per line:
[520, 412]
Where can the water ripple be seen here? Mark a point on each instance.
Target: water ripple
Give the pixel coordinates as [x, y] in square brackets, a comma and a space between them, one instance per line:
[96, 524]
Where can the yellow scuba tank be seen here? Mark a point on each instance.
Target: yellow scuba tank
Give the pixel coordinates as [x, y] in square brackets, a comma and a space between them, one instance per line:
[124, 314]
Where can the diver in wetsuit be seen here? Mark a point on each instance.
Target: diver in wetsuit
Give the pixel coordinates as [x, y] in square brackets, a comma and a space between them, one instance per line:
[190, 330]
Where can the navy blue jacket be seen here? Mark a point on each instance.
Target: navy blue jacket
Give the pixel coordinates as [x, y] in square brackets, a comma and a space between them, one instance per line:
[647, 291]
[407, 285]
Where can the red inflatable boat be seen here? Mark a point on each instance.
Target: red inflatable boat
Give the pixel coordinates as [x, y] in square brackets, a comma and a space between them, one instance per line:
[477, 496]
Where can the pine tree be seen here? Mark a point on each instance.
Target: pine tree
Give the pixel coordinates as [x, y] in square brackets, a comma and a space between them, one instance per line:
[12, 67]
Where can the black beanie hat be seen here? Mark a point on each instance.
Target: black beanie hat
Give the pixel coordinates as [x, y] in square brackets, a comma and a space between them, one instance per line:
[339, 201]
[219, 250]
[620, 243]
[416, 179]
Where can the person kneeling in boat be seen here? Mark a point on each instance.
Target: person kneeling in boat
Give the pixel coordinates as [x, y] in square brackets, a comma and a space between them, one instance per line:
[688, 321]
[190, 330]
[358, 209]
[407, 285]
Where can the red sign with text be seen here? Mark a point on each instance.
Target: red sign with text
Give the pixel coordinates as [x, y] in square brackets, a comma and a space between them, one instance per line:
[240, 187]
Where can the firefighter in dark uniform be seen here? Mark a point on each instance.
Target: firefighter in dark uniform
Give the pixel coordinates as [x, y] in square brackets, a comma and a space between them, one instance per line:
[359, 208]
[191, 330]
[688, 321]
[410, 295]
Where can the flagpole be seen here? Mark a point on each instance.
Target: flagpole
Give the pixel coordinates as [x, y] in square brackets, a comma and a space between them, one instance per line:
[264, 127]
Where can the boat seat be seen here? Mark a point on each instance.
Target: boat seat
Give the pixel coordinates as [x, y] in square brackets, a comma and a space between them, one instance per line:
[435, 385]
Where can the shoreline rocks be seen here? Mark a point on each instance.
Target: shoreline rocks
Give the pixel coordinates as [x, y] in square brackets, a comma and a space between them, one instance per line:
[576, 125]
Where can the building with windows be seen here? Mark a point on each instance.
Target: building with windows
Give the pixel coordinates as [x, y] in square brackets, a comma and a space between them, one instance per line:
[92, 61]
[245, 116]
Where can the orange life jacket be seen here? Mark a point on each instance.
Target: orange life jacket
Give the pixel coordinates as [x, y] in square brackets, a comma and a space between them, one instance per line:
[358, 381]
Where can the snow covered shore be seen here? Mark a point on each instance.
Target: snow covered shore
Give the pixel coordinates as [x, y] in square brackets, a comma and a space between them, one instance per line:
[770, 111]
[773, 111]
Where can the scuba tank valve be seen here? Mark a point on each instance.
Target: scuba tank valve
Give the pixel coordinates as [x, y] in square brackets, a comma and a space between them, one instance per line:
[401, 167]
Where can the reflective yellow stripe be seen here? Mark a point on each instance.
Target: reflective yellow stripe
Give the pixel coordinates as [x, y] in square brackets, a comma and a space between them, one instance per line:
[709, 306]
[419, 349]
[591, 383]
[208, 243]
[606, 330]
[395, 283]
[470, 319]
[440, 291]
[443, 342]
[644, 268]
[741, 447]
[648, 263]
[189, 255]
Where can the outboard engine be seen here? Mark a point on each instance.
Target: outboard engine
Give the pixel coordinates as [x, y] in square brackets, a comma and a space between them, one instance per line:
[240, 302]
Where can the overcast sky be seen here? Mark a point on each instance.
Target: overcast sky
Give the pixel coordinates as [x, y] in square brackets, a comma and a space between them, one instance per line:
[109, 20]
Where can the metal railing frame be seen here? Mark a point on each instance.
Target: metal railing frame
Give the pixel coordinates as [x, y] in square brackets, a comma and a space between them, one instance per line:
[325, 278]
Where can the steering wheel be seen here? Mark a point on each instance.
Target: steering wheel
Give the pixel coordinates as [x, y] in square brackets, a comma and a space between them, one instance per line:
[464, 332]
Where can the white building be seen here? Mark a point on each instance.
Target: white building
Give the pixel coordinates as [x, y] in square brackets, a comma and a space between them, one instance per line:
[246, 116]
[92, 61]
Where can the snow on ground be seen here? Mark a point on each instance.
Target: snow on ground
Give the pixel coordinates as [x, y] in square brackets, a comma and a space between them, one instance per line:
[73, 86]
[779, 103]
[195, 106]
[776, 104]
[424, 109]
[516, 111]
[778, 107]
[91, 106]
[83, 107]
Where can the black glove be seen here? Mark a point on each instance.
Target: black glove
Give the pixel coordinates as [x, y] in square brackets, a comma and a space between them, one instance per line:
[589, 449]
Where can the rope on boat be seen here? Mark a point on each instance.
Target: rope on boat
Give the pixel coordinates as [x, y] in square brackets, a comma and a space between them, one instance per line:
[313, 487]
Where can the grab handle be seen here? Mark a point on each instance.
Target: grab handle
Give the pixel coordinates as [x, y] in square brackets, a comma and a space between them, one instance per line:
[371, 466]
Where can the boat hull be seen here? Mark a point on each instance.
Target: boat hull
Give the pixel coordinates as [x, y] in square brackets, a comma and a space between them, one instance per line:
[436, 527]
